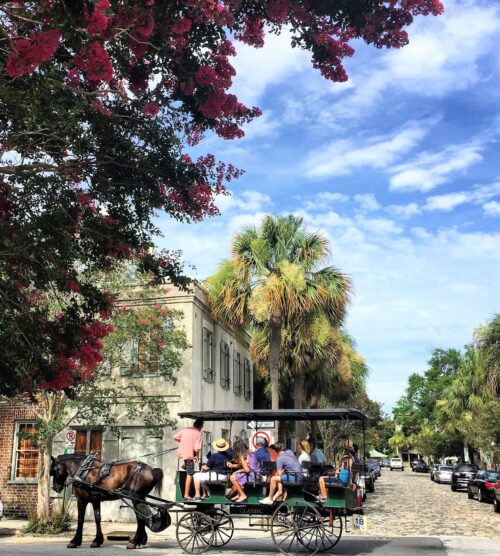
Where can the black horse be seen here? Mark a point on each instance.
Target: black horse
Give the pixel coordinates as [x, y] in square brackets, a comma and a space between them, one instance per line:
[134, 477]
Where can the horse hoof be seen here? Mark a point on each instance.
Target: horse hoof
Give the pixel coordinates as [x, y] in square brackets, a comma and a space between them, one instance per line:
[131, 545]
[95, 545]
[72, 545]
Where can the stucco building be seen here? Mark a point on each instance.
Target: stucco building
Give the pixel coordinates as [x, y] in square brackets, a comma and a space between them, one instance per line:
[217, 373]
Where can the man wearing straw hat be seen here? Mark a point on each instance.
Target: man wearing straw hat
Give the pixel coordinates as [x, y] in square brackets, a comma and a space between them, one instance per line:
[214, 470]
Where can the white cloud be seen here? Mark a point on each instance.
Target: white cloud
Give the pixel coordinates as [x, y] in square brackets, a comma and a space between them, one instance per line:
[404, 211]
[492, 208]
[430, 169]
[342, 157]
[476, 195]
[246, 200]
[257, 69]
[321, 200]
[367, 202]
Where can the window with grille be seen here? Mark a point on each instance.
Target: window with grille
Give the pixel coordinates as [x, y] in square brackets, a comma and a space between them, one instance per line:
[26, 453]
[88, 440]
[237, 373]
[208, 355]
[247, 379]
[225, 379]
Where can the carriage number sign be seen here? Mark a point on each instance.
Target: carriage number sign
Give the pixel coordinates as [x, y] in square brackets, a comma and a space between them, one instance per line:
[360, 523]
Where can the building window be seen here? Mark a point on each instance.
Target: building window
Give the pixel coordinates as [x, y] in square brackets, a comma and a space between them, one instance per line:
[88, 441]
[141, 356]
[225, 379]
[208, 355]
[247, 379]
[207, 444]
[237, 373]
[25, 454]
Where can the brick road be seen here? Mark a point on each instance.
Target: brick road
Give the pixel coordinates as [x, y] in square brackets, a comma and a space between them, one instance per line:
[406, 503]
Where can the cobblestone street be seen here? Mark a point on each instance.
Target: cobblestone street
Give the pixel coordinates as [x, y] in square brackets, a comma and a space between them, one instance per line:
[406, 503]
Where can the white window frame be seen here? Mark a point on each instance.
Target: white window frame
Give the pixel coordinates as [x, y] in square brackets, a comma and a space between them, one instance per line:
[15, 452]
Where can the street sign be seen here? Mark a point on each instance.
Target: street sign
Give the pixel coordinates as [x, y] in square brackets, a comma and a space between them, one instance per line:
[70, 441]
[360, 523]
[260, 425]
[262, 434]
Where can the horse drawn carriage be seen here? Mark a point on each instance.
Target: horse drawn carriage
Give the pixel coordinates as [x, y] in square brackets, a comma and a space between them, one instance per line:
[302, 523]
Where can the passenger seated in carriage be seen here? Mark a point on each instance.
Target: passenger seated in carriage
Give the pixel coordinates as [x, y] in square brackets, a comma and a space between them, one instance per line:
[342, 477]
[215, 468]
[248, 471]
[289, 471]
[304, 451]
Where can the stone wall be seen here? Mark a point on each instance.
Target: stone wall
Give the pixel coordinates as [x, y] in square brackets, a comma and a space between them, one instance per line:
[18, 497]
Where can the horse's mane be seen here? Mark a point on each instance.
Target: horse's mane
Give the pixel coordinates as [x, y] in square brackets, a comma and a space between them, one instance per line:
[68, 457]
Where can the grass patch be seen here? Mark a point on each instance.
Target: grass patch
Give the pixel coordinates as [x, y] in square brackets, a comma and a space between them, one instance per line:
[58, 522]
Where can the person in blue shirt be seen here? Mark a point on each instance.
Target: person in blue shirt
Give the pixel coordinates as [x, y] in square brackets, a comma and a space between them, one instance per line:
[289, 471]
[214, 470]
[261, 453]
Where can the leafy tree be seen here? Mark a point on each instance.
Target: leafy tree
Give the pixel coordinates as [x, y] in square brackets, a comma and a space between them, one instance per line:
[103, 397]
[99, 100]
[273, 279]
[488, 341]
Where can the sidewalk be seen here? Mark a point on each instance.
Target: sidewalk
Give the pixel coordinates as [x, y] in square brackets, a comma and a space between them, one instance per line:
[112, 529]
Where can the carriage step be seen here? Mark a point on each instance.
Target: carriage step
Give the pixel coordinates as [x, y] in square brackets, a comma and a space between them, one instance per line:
[119, 536]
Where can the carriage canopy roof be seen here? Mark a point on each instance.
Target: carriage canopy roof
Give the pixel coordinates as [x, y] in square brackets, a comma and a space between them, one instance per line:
[341, 414]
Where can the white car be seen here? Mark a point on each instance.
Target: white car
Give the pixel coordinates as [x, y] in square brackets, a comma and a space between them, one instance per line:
[443, 474]
[396, 463]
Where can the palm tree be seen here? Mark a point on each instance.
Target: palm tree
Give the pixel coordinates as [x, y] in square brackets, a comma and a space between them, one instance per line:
[274, 278]
[489, 345]
[465, 398]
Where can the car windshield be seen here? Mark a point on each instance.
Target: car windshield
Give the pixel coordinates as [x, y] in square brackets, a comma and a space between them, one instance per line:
[444, 468]
[492, 475]
[465, 467]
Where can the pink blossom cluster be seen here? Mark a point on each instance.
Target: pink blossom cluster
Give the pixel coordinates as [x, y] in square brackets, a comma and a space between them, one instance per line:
[28, 54]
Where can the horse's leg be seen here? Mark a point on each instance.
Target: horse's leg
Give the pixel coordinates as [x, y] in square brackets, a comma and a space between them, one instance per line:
[140, 537]
[99, 538]
[82, 505]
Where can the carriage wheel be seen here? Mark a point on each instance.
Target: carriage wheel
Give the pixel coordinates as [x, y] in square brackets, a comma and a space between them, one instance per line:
[223, 527]
[333, 532]
[298, 529]
[195, 532]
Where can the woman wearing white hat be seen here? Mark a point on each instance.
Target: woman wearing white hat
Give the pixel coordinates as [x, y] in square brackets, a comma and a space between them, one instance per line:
[214, 470]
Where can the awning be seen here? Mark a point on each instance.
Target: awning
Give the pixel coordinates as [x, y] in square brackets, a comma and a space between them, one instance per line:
[376, 454]
[341, 414]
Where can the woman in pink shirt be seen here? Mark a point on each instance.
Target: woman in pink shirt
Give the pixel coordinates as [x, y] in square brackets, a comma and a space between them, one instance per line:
[190, 441]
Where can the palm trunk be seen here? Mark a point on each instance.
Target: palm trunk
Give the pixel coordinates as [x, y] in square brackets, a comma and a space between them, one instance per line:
[274, 360]
[299, 400]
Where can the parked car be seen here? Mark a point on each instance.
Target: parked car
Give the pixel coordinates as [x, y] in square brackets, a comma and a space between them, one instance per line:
[367, 478]
[462, 473]
[434, 468]
[396, 463]
[375, 467]
[482, 485]
[496, 500]
[443, 474]
[419, 466]
[386, 463]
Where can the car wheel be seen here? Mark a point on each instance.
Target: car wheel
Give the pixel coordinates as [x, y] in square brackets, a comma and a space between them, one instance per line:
[480, 496]
[496, 505]
[437, 481]
[470, 495]
[453, 488]
[391, 468]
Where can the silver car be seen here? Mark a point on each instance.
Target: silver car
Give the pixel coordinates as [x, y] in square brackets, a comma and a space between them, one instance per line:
[443, 474]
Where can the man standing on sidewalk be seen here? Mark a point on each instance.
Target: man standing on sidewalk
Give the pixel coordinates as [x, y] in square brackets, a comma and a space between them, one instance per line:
[190, 441]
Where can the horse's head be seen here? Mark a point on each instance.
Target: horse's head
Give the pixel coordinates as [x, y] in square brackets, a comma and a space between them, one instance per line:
[60, 473]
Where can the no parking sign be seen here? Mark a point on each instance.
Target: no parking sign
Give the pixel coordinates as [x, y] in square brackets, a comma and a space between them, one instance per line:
[262, 434]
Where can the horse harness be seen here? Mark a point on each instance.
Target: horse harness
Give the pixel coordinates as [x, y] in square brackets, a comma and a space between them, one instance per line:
[87, 465]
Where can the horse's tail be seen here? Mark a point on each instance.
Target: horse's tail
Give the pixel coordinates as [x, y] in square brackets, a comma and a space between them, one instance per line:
[158, 480]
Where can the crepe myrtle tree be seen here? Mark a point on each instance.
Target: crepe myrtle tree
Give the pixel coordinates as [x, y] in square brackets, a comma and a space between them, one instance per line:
[100, 100]
[106, 386]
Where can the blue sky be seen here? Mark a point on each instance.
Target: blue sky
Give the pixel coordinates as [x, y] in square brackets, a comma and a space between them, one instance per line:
[398, 167]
